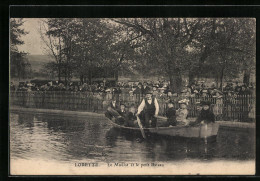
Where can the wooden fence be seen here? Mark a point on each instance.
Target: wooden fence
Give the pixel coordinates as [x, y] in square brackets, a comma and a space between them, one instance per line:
[229, 108]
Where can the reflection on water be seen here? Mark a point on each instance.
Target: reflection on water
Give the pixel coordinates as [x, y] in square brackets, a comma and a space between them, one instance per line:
[74, 139]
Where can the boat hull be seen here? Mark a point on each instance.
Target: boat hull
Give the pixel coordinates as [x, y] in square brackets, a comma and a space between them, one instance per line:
[199, 131]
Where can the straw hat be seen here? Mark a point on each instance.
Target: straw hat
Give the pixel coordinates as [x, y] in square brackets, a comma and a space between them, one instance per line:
[205, 103]
[184, 101]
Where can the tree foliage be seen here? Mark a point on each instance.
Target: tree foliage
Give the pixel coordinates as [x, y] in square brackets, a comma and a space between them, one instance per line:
[85, 48]
[195, 46]
[171, 47]
[19, 65]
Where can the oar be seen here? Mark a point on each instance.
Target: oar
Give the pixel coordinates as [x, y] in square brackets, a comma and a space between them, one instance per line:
[141, 127]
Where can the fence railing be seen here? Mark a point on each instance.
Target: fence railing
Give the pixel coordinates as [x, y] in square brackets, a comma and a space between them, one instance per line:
[229, 108]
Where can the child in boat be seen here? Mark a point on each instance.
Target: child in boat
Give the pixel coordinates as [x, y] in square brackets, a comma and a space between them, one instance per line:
[182, 113]
[206, 116]
[171, 115]
[198, 108]
[122, 111]
[131, 120]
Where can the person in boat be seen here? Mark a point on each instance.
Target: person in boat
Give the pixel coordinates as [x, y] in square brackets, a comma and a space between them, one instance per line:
[206, 116]
[122, 112]
[182, 113]
[130, 119]
[171, 114]
[198, 107]
[149, 108]
[112, 110]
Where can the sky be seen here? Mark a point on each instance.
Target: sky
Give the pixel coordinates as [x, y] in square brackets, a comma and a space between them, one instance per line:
[32, 41]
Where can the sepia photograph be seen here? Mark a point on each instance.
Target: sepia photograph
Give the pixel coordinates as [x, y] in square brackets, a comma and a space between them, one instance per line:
[132, 96]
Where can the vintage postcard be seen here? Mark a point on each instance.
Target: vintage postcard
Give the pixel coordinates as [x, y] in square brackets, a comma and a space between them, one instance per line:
[132, 96]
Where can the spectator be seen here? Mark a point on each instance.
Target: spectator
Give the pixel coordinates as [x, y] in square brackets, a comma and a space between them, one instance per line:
[155, 91]
[138, 89]
[12, 87]
[218, 107]
[145, 88]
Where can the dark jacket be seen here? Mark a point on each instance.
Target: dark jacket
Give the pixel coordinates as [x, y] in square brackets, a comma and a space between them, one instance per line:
[138, 91]
[207, 116]
[130, 118]
[145, 90]
[116, 107]
[110, 114]
[121, 120]
[123, 114]
[171, 116]
[171, 113]
[149, 108]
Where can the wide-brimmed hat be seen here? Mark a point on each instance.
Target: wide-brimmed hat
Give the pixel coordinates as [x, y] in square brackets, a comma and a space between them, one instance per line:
[198, 103]
[113, 99]
[205, 103]
[196, 91]
[184, 91]
[204, 91]
[217, 91]
[175, 95]
[149, 92]
[108, 90]
[170, 102]
[184, 101]
[132, 105]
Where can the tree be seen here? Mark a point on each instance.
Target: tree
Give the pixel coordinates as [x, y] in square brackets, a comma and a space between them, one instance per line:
[91, 52]
[231, 48]
[165, 45]
[19, 65]
[58, 35]
[86, 48]
[176, 47]
[172, 47]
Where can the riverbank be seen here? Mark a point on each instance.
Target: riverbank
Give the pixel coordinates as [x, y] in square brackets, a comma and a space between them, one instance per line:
[17, 109]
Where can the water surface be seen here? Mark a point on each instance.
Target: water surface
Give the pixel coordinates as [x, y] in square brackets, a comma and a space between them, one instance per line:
[67, 139]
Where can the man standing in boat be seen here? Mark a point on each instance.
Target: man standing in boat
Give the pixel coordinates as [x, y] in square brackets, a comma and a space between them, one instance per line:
[150, 109]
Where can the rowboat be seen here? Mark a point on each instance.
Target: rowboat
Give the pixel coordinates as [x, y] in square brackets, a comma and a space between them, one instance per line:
[209, 130]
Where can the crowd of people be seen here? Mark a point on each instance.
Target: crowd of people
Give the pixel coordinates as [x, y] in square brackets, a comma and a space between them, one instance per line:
[230, 97]
[158, 88]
